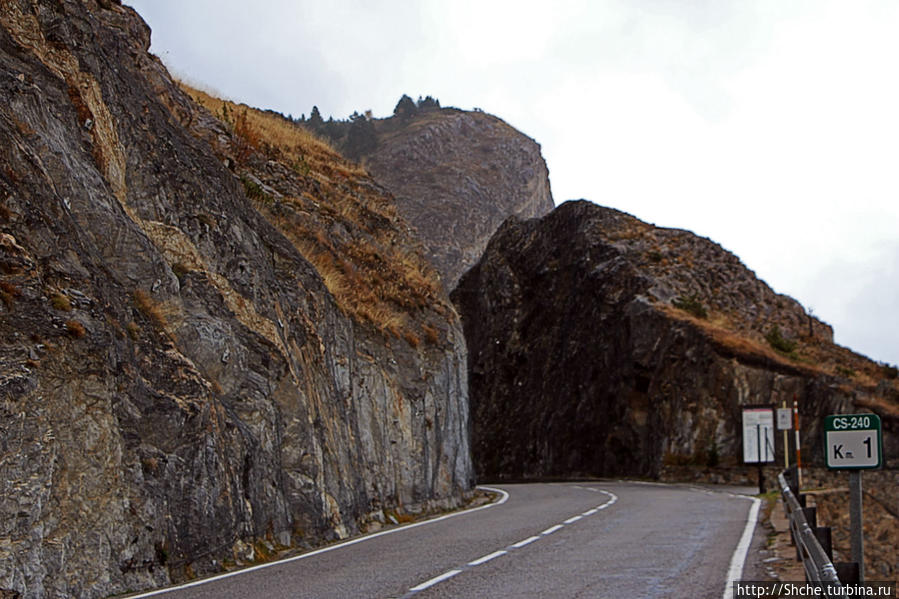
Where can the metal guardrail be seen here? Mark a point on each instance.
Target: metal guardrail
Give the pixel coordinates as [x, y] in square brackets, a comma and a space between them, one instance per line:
[818, 565]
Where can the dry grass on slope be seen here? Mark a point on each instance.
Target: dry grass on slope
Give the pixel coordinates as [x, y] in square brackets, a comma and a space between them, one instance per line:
[717, 329]
[339, 219]
[273, 135]
[739, 313]
[810, 356]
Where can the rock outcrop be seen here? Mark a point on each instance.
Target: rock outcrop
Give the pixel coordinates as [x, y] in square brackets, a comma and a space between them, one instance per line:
[457, 175]
[187, 378]
[600, 345]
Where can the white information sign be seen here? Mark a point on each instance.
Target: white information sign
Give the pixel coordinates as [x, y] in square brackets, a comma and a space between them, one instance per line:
[758, 435]
[784, 419]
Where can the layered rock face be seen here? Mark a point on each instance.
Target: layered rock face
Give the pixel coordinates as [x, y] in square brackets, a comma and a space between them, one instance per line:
[179, 388]
[457, 176]
[580, 363]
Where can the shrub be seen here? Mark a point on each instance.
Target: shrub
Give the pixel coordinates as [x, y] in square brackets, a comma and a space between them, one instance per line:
[8, 293]
[180, 269]
[60, 302]
[412, 338]
[890, 372]
[207, 219]
[780, 343]
[691, 305]
[432, 335]
[254, 190]
[246, 138]
[75, 329]
[845, 371]
[133, 330]
[150, 465]
[149, 308]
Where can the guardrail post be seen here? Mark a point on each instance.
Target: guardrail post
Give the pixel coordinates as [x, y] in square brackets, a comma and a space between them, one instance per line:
[811, 516]
[825, 537]
[847, 572]
[792, 480]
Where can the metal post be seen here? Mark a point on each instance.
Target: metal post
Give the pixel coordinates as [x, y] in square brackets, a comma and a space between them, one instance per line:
[855, 522]
[783, 404]
[758, 448]
[796, 430]
[824, 535]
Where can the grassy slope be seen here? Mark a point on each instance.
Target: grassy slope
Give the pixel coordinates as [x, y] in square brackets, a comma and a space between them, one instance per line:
[340, 220]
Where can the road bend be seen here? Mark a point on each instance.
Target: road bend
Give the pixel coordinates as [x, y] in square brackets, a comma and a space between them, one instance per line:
[586, 539]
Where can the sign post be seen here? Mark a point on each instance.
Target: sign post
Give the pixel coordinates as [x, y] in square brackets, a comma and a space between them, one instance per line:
[853, 442]
[785, 423]
[758, 438]
[796, 433]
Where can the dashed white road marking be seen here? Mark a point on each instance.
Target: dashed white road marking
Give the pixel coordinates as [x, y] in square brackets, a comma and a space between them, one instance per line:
[435, 580]
[551, 529]
[488, 557]
[527, 541]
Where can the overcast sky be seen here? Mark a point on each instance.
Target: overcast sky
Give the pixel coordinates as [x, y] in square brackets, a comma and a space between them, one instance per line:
[769, 126]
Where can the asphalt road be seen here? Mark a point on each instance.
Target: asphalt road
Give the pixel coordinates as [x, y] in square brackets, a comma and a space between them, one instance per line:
[598, 539]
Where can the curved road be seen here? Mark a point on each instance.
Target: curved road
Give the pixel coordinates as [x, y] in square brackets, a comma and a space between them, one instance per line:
[597, 539]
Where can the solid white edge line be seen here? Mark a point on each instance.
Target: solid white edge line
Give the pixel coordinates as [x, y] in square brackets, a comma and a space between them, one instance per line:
[590, 512]
[739, 557]
[527, 541]
[572, 520]
[502, 500]
[551, 529]
[435, 580]
[487, 558]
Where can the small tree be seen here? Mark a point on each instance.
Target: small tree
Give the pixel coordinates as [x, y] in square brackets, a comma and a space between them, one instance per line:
[405, 108]
[315, 118]
[428, 103]
[776, 340]
[361, 138]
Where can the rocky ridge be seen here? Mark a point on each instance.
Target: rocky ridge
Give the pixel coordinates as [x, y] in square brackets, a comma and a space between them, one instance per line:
[457, 175]
[600, 345]
[187, 379]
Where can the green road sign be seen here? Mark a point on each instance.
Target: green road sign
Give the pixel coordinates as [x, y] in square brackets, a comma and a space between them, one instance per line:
[852, 441]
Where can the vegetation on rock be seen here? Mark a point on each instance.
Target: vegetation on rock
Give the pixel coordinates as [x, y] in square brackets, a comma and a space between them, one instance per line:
[691, 305]
[344, 223]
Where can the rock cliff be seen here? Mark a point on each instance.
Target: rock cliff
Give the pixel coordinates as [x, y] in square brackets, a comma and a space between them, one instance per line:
[601, 345]
[217, 337]
[456, 175]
